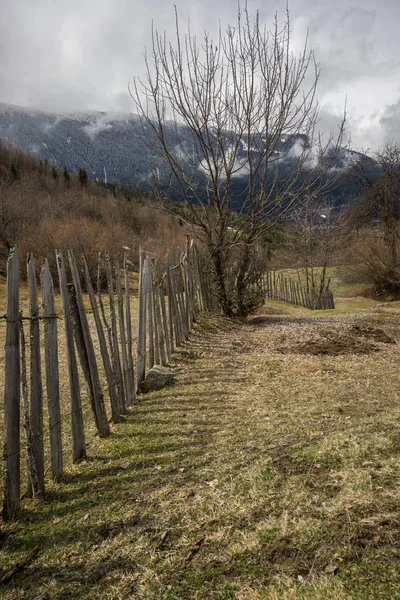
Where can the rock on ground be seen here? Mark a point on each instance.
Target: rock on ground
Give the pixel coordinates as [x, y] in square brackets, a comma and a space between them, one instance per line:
[157, 378]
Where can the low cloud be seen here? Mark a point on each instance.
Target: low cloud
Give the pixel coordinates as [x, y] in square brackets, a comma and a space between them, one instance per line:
[390, 122]
[76, 55]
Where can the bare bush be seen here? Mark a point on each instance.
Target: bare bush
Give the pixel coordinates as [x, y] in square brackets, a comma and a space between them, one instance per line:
[84, 237]
[376, 223]
[42, 212]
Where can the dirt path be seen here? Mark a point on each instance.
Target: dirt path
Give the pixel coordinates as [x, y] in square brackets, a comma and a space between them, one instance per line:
[267, 471]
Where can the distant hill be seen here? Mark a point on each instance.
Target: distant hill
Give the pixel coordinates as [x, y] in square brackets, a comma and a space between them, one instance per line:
[114, 146]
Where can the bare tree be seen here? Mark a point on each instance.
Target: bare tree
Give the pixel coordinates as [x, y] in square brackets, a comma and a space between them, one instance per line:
[377, 219]
[313, 241]
[235, 111]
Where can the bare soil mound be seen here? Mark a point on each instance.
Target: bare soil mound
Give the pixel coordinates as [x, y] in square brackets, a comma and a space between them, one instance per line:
[378, 335]
[356, 339]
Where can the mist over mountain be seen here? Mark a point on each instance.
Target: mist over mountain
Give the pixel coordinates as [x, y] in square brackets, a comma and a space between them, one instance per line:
[115, 147]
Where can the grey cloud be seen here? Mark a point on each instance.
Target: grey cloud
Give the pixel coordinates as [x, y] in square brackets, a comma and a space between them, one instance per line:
[81, 54]
[390, 122]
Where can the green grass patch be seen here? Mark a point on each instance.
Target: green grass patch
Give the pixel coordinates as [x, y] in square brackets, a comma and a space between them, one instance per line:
[259, 475]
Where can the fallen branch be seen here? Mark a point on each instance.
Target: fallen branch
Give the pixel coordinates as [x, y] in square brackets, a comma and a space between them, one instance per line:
[8, 575]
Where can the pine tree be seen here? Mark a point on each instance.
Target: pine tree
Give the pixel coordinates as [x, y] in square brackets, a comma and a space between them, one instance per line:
[14, 173]
[83, 177]
[67, 177]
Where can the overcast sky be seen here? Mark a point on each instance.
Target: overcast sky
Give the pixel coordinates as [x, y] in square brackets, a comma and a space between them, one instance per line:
[64, 55]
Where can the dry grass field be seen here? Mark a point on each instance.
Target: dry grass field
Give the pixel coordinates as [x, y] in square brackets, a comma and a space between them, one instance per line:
[270, 470]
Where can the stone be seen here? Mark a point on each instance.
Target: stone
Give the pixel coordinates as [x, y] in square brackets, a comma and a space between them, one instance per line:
[157, 378]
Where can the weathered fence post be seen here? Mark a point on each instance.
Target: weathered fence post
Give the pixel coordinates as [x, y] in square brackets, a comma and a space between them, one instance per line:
[87, 353]
[153, 299]
[12, 392]
[131, 374]
[199, 284]
[184, 297]
[141, 341]
[114, 337]
[150, 315]
[167, 338]
[182, 315]
[36, 396]
[173, 326]
[158, 320]
[129, 392]
[52, 371]
[115, 409]
[78, 432]
[33, 482]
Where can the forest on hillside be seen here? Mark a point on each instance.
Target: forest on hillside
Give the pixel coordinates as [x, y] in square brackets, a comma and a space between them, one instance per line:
[43, 207]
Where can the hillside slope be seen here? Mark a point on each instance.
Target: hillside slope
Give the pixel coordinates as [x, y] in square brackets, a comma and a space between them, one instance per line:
[118, 147]
[43, 207]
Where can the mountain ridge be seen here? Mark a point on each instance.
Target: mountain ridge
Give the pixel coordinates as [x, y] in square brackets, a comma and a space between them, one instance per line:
[113, 146]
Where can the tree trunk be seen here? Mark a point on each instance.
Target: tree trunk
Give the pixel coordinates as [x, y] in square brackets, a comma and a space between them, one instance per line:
[221, 277]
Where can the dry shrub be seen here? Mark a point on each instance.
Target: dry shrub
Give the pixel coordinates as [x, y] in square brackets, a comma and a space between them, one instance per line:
[370, 261]
[157, 230]
[41, 212]
[84, 237]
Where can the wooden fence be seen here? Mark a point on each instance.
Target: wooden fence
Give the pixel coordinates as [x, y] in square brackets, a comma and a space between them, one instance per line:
[280, 286]
[98, 345]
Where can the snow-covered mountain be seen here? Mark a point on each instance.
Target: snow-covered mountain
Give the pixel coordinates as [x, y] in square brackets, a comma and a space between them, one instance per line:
[100, 142]
[111, 146]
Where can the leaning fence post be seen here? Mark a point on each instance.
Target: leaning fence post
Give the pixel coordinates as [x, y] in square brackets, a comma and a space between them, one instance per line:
[177, 314]
[183, 322]
[52, 370]
[88, 355]
[164, 313]
[131, 374]
[12, 392]
[114, 336]
[156, 324]
[199, 282]
[33, 482]
[150, 311]
[122, 331]
[36, 400]
[162, 355]
[114, 401]
[171, 307]
[141, 341]
[78, 432]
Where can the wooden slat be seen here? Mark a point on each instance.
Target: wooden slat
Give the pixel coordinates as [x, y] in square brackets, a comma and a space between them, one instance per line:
[52, 371]
[33, 482]
[164, 336]
[87, 355]
[150, 312]
[182, 315]
[36, 395]
[114, 402]
[116, 358]
[128, 320]
[122, 332]
[171, 306]
[78, 432]
[141, 341]
[157, 323]
[12, 398]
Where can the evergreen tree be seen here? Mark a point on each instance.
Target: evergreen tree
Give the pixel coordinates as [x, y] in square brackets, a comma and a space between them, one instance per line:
[83, 177]
[67, 177]
[14, 172]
